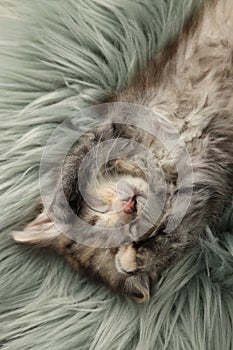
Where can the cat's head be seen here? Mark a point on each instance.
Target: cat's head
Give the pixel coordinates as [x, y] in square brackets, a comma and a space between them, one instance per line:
[115, 198]
[115, 201]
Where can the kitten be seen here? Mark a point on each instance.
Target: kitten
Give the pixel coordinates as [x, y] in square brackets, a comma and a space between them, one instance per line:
[190, 82]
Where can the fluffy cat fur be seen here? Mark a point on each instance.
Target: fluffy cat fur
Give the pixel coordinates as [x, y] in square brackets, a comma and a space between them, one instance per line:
[190, 82]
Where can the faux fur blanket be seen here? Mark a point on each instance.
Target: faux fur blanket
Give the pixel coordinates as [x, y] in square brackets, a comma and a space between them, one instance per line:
[57, 57]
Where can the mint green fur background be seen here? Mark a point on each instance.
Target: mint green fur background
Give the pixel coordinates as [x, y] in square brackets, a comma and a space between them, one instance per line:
[57, 57]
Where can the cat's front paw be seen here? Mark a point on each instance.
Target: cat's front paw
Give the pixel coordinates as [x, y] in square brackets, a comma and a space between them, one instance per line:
[129, 259]
[125, 260]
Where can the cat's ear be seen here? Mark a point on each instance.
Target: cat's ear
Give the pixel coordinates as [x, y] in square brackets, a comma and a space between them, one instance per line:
[138, 287]
[40, 231]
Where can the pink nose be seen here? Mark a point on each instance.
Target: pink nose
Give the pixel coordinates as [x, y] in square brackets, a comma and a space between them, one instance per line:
[130, 205]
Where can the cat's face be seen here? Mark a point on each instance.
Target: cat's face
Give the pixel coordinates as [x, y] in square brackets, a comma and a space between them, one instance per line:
[120, 199]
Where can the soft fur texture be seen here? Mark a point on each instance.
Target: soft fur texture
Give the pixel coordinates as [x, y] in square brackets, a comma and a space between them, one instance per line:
[61, 64]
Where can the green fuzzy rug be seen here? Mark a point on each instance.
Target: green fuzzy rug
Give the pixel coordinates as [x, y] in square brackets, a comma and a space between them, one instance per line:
[57, 57]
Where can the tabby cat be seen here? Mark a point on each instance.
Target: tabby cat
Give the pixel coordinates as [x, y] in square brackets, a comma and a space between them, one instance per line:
[190, 82]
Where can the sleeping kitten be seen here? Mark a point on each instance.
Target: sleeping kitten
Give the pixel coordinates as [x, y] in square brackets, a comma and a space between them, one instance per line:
[191, 84]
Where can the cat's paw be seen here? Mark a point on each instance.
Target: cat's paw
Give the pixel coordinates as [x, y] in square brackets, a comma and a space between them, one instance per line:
[125, 260]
